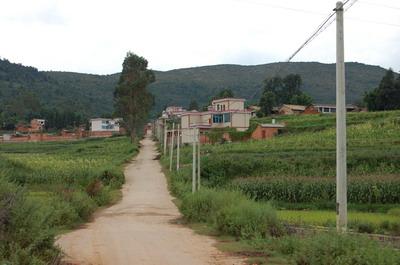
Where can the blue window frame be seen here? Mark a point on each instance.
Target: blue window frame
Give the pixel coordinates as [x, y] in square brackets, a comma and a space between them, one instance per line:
[221, 118]
[218, 118]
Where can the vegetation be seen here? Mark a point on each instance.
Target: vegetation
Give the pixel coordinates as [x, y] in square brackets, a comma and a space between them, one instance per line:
[92, 95]
[51, 186]
[132, 100]
[387, 95]
[266, 234]
[286, 90]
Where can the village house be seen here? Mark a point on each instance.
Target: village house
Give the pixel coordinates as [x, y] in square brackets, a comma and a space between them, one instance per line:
[331, 108]
[266, 131]
[223, 113]
[35, 126]
[102, 127]
[289, 109]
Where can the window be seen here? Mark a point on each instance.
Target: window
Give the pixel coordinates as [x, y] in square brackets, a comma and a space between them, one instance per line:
[326, 110]
[227, 117]
[218, 118]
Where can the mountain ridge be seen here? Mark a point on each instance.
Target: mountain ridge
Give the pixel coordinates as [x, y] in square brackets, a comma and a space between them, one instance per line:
[93, 93]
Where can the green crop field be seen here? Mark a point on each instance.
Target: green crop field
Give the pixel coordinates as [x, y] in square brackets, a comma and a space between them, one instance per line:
[256, 191]
[47, 187]
[296, 169]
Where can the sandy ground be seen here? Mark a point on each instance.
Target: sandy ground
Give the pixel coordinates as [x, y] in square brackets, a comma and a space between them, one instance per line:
[140, 229]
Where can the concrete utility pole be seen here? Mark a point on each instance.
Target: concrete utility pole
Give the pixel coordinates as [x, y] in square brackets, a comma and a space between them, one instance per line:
[165, 137]
[341, 160]
[194, 161]
[178, 146]
[171, 147]
[198, 159]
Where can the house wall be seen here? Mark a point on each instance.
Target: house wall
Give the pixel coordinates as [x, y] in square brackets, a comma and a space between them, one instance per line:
[96, 126]
[268, 133]
[240, 121]
[228, 105]
[310, 110]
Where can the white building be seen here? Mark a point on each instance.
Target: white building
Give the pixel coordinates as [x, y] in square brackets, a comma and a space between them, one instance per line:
[104, 125]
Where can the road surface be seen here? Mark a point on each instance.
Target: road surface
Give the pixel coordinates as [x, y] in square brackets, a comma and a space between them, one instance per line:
[140, 229]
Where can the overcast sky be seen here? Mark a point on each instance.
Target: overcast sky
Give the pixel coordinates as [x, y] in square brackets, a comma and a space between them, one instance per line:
[93, 36]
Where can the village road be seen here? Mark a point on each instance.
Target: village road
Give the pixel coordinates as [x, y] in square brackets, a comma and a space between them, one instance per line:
[140, 229]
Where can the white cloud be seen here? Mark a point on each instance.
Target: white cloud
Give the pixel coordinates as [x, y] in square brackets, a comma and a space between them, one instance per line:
[93, 36]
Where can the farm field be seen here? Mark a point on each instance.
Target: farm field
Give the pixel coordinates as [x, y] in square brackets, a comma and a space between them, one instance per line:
[48, 187]
[290, 180]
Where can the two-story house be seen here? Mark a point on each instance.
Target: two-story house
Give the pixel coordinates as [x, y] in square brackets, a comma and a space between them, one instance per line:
[223, 113]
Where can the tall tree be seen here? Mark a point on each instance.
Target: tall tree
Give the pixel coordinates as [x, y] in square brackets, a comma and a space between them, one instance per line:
[193, 105]
[387, 95]
[132, 100]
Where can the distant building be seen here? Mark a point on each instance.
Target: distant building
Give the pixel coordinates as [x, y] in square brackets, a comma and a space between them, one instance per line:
[104, 125]
[266, 131]
[223, 113]
[35, 126]
[331, 108]
[173, 111]
[288, 109]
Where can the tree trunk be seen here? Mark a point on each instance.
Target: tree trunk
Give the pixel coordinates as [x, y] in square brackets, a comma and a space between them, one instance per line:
[133, 135]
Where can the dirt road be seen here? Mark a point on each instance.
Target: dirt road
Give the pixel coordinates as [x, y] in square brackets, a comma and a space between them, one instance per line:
[140, 228]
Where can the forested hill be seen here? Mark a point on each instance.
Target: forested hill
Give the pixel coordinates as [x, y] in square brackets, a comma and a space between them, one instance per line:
[93, 94]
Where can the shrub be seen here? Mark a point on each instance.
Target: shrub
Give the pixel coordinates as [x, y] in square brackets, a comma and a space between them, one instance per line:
[25, 234]
[83, 204]
[365, 228]
[248, 219]
[204, 205]
[394, 211]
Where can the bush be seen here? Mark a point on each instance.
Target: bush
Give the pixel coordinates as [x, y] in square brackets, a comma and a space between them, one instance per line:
[249, 219]
[62, 213]
[204, 205]
[332, 248]
[25, 234]
[83, 204]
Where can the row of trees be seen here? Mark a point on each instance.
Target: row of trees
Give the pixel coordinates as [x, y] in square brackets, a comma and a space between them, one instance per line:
[25, 106]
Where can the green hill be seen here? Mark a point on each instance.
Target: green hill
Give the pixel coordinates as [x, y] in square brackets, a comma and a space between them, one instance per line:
[93, 94]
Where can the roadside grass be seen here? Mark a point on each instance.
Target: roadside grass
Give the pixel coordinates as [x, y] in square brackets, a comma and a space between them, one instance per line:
[363, 222]
[48, 188]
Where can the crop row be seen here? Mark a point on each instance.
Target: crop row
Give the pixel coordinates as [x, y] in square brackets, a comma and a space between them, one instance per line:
[318, 190]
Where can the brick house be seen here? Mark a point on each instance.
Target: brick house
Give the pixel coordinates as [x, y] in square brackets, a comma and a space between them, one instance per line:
[266, 131]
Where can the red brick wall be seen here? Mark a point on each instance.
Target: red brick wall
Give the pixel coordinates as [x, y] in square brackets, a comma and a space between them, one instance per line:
[269, 133]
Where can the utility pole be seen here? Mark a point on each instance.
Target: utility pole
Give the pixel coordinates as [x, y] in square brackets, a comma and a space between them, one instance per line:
[194, 162]
[178, 146]
[341, 160]
[171, 147]
[198, 159]
[165, 137]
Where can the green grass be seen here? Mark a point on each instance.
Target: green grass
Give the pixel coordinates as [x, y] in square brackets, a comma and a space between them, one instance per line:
[376, 222]
[50, 187]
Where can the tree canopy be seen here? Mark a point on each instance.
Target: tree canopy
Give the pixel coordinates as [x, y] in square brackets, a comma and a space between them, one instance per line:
[387, 95]
[132, 100]
[286, 90]
[193, 105]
